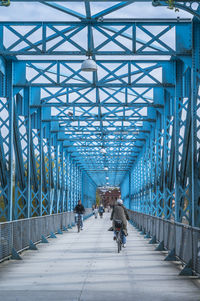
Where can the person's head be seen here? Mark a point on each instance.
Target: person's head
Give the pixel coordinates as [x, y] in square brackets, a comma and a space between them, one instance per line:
[79, 202]
[119, 201]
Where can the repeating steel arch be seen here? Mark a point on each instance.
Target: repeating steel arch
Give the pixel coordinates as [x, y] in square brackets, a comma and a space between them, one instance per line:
[142, 106]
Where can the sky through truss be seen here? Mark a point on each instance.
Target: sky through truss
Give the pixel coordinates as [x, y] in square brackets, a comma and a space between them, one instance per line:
[112, 124]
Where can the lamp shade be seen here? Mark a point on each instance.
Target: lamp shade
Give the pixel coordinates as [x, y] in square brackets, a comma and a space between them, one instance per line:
[89, 65]
[103, 151]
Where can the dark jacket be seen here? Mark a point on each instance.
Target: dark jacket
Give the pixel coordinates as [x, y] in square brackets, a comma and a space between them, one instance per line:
[79, 209]
[120, 213]
[101, 209]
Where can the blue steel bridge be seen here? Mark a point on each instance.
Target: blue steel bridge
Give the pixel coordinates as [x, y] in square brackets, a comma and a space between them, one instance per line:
[133, 124]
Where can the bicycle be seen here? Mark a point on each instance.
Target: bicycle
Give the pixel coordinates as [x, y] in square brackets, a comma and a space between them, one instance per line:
[119, 234]
[78, 222]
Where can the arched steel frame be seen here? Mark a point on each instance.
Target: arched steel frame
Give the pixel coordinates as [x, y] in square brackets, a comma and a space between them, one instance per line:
[142, 106]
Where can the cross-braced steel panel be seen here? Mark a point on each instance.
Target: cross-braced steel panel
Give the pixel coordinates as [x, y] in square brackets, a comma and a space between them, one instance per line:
[134, 123]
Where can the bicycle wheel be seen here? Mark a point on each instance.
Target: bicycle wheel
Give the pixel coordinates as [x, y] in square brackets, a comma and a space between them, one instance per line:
[118, 240]
[79, 224]
[118, 246]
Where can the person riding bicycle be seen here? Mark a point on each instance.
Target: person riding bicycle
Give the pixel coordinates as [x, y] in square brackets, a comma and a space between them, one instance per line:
[119, 212]
[79, 209]
[95, 211]
[101, 210]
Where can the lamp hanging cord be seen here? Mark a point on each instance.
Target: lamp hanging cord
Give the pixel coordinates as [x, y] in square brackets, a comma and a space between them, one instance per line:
[5, 2]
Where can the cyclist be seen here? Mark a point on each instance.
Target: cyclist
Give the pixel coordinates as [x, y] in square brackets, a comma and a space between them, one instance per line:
[119, 212]
[79, 209]
[101, 210]
[95, 211]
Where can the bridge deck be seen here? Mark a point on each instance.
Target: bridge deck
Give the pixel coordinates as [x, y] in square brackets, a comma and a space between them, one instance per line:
[86, 267]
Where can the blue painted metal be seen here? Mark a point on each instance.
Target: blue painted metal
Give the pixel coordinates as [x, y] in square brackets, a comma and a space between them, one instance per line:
[187, 270]
[171, 256]
[160, 247]
[54, 118]
[190, 6]
[15, 255]
[52, 235]
[153, 240]
[44, 240]
[32, 246]
[136, 45]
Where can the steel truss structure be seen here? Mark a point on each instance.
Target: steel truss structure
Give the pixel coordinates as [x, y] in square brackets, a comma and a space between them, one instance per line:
[142, 106]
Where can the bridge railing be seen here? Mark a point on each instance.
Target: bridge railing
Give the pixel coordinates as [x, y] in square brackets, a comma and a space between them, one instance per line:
[18, 234]
[182, 240]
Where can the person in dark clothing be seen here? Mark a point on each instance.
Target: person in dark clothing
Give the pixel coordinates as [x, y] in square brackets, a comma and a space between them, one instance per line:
[79, 209]
[101, 210]
[120, 213]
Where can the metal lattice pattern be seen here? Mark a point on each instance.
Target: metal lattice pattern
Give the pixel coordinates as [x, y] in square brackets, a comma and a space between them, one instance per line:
[134, 123]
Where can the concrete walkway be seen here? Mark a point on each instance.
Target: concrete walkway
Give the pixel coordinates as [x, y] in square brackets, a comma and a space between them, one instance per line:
[86, 267]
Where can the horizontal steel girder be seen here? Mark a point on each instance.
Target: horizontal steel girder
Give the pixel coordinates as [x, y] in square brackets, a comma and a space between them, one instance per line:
[154, 45]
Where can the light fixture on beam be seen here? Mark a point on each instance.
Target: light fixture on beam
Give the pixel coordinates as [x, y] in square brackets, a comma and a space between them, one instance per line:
[105, 168]
[107, 178]
[89, 65]
[103, 151]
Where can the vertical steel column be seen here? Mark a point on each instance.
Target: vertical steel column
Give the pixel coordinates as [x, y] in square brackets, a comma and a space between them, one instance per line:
[41, 160]
[62, 188]
[71, 183]
[178, 98]
[80, 183]
[65, 179]
[157, 180]
[136, 187]
[146, 176]
[27, 99]
[51, 188]
[57, 175]
[68, 182]
[130, 192]
[82, 187]
[153, 166]
[76, 183]
[195, 135]
[151, 170]
[165, 146]
[9, 95]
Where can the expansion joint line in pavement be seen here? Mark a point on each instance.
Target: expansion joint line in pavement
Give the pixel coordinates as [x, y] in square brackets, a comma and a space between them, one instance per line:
[98, 239]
